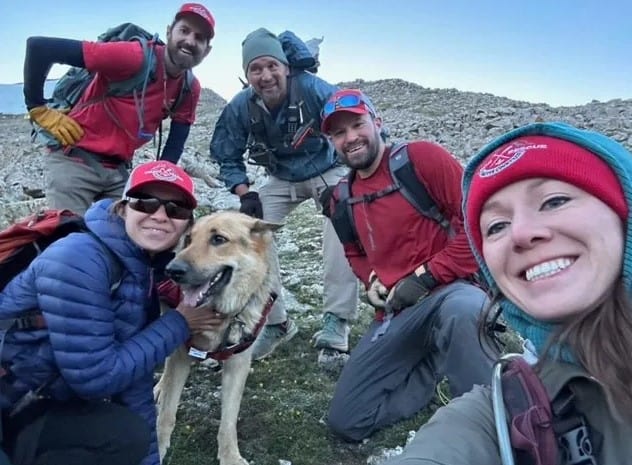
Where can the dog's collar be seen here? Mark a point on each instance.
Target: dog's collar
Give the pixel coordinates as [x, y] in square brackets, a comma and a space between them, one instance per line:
[225, 351]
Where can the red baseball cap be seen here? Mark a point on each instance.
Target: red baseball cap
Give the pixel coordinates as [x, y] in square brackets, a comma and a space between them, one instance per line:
[160, 172]
[201, 11]
[349, 100]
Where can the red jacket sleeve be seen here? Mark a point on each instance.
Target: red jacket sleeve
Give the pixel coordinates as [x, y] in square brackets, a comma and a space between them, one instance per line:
[455, 260]
[116, 61]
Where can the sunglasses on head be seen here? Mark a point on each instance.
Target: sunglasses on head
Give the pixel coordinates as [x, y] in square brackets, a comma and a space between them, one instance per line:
[345, 101]
[150, 205]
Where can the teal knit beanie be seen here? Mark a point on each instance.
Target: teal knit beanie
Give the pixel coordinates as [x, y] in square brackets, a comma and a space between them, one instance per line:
[261, 43]
[618, 158]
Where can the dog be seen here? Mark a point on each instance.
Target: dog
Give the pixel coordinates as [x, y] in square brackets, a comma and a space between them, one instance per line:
[229, 265]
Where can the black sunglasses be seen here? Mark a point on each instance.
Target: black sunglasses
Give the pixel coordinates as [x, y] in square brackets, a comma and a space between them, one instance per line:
[151, 205]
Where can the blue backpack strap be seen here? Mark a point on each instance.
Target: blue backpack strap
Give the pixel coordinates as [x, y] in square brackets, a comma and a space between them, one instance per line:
[412, 188]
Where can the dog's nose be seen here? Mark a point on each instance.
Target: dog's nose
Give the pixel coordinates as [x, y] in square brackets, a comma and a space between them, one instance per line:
[177, 270]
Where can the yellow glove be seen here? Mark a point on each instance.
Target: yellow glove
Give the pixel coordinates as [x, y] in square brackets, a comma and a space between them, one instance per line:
[63, 128]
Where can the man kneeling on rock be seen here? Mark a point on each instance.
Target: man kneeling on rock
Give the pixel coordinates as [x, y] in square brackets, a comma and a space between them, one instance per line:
[416, 270]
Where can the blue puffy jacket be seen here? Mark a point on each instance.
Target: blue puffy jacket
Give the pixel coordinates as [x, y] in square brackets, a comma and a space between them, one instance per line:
[230, 136]
[101, 343]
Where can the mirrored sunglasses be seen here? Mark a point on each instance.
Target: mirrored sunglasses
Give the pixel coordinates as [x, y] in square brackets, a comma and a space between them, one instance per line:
[345, 101]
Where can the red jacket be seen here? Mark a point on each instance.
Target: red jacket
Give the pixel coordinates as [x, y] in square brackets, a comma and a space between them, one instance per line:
[111, 128]
[396, 238]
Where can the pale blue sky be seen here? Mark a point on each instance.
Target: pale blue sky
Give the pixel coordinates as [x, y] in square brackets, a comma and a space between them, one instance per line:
[563, 52]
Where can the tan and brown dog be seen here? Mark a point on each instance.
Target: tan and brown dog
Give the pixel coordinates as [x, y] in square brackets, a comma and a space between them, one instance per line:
[228, 264]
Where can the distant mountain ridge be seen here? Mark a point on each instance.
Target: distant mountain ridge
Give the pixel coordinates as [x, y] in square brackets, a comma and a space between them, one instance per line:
[12, 97]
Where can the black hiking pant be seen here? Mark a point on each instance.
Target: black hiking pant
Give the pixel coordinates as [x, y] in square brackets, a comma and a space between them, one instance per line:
[76, 433]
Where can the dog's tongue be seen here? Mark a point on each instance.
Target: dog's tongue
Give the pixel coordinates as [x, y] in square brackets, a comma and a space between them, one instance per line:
[191, 296]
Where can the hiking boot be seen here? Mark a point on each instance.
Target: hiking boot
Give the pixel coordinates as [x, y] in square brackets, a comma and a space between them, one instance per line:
[271, 336]
[334, 335]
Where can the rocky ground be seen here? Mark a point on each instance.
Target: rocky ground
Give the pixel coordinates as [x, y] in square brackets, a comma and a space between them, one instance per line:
[286, 396]
[461, 121]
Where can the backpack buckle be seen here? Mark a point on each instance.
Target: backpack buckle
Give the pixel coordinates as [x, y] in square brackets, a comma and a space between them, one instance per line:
[577, 446]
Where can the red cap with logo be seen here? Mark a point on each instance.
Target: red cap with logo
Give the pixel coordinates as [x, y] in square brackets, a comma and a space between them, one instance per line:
[201, 11]
[160, 172]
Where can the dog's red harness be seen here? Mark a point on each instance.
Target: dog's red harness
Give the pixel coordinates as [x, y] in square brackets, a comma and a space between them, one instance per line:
[226, 351]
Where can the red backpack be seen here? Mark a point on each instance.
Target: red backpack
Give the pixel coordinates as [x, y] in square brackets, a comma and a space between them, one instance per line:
[21, 242]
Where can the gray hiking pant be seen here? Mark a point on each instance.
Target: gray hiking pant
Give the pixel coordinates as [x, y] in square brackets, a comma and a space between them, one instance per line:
[394, 376]
[75, 182]
[279, 198]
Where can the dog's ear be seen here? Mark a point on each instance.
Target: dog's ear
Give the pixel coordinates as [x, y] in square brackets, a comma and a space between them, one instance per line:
[261, 226]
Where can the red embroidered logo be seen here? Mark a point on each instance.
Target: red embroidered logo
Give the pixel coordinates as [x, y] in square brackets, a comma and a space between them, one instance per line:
[200, 10]
[164, 173]
[502, 159]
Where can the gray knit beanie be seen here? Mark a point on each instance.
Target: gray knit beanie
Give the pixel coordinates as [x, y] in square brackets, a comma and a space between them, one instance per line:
[261, 43]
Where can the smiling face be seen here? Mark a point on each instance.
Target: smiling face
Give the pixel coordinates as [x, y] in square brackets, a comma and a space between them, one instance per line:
[188, 43]
[268, 78]
[553, 249]
[155, 232]
[357, 140]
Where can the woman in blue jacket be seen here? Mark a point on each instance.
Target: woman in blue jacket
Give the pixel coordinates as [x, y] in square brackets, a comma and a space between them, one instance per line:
[87, 376]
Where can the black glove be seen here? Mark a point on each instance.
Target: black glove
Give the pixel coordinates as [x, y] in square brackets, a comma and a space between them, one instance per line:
[251, 205]
[325, 200]
[407, 292]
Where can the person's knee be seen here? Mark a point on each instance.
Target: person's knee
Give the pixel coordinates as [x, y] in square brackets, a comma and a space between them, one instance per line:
[344, 426]
[349, 419]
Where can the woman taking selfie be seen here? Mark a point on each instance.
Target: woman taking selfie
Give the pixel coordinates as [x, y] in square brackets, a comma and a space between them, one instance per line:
[547, 210]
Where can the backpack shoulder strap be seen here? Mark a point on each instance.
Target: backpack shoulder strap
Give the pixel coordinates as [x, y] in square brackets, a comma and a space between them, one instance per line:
[525, 422]
[295, 105]
[144, 76]
[412, 188]
[262, 129]
[534, 429]
[257, 124]
[342, 216]
[344, 191]
[185, 89]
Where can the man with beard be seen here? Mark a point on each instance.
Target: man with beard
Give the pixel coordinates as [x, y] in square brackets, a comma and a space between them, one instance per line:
[99, 135]
[259, 119]
[416, 272]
